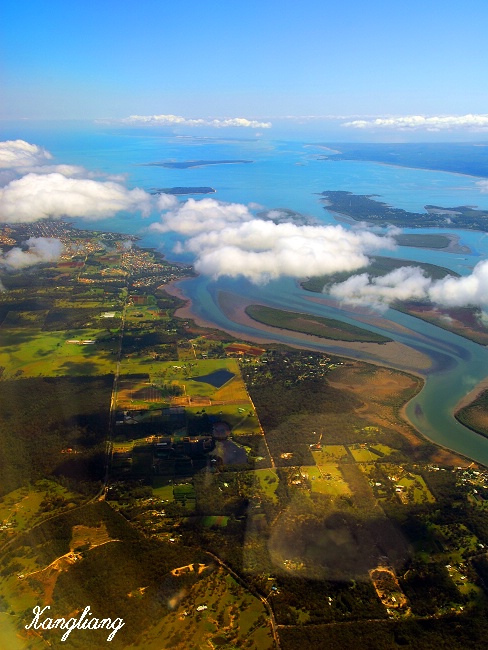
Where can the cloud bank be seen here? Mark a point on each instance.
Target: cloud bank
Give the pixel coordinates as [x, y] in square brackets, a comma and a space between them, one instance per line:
[227, 240]
[39, 196]
[34, 188]
[178, 120]
[19, 157]
[421, 122]
[411, 283]
[39, 249]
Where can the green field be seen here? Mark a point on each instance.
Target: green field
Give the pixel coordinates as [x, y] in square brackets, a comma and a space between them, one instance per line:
[162, 491]
[329, 453]
[383, 449]
[327, 479]
[268, 482]
[36, 353]
[362, 454]
[328, 328]
[22, 508]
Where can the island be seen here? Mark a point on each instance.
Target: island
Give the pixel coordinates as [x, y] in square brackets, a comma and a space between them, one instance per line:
[464, 321]
[187, 164]
[328, 328]
[182, 190]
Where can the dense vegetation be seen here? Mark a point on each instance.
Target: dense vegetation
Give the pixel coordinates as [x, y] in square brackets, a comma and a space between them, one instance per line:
[41, 417]
[329, 328]
[475, 415]
[425, 240]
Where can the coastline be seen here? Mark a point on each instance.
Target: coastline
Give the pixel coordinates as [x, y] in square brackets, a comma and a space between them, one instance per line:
[233, 306]
[471, 395]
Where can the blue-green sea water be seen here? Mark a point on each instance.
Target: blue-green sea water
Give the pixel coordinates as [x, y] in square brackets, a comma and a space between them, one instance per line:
[290, 174]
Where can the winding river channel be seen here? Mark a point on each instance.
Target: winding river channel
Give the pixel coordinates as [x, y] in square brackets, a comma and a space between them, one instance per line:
[457, 365]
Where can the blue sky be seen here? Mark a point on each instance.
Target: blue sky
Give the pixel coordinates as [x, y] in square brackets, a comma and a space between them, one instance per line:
[87, 59]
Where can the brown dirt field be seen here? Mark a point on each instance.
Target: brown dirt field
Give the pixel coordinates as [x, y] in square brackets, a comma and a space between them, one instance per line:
[82, 535]
[47, 577]
[231, 392]
[375, 389]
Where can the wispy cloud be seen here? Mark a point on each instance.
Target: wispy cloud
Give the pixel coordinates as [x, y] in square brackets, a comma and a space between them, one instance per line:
[422, 122]
[178, 120]
[228, 240]
[483, 186]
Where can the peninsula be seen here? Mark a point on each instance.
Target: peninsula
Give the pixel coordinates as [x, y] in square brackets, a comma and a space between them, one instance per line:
[363, 207]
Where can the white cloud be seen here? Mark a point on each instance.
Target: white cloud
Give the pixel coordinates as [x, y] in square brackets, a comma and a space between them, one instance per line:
[459, 292]
[18, 157]
[178, 120]
[411, 283]
[407, 282]
[228, 240]
[38, 196]
[421, 122]
[15, 154]
[40, 249]
[192, 216]
[166, 201]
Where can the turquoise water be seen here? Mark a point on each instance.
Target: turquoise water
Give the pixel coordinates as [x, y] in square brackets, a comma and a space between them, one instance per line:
[289, 175]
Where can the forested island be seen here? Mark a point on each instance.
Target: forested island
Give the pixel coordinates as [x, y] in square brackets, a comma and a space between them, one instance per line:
[329, 328]
[361, 207]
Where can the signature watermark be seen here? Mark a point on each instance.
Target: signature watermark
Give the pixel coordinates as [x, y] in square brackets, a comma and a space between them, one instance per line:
[70, 624]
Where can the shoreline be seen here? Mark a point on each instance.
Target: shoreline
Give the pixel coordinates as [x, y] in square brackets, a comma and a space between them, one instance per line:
[404, 166]
[233, 306]
[471, 396]
[239, 317]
